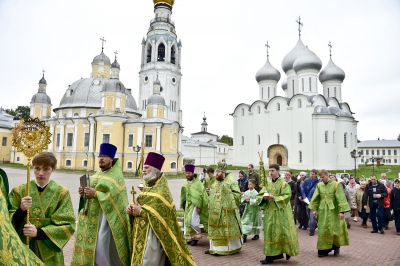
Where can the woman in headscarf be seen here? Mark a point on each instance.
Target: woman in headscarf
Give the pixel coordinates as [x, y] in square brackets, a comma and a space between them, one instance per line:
[243, 183]
[357, 199]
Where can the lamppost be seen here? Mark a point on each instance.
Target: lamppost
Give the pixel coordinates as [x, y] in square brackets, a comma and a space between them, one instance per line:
[354, 154]
[373, 165]
[137, 150]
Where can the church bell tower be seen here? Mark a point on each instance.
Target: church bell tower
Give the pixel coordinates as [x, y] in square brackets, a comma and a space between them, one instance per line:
[161, 57]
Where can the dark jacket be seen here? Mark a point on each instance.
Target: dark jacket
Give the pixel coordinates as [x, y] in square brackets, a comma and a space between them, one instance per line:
[292, 185]
[395, 199]
[368, 195]
[298, 192]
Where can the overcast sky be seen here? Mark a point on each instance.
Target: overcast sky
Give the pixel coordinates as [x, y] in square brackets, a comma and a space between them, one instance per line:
[223, 48]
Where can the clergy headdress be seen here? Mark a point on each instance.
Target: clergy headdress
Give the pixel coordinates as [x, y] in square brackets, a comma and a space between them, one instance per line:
[189, 168]
[222, 166]
[155, 160]
[108, 149]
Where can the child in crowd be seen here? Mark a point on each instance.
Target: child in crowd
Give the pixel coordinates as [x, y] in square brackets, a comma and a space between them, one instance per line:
[251, 219]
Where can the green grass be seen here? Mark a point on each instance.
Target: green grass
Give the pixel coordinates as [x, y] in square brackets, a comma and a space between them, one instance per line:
[230, 167]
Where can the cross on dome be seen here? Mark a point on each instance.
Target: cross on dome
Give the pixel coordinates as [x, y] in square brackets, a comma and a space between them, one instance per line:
[330, 49]
[102, 43]
[300, 25]
[267, 49]
[115, 54]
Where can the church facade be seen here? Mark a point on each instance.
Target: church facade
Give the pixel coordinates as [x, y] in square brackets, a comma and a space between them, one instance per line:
[101, 109]
[304, 129]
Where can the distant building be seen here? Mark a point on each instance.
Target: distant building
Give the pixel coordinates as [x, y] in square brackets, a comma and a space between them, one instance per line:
[6, 124]
[204, 149]
[384, 151]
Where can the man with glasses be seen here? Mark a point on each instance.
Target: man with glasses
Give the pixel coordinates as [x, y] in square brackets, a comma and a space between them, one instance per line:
[103, 234]
[52, 220]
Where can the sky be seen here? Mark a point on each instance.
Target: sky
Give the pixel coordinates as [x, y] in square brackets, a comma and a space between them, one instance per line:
[223, 48]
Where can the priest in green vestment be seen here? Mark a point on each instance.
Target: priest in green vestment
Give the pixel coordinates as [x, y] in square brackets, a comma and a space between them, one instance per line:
[329, 204]
[224, 225]
[209, 180]
[52, 220]
[12, 251]
[157, 237]
[103, 235]
[280, 235]
[194, 200]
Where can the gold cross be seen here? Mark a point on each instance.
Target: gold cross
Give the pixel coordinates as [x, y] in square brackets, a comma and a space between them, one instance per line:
[133, 192]
[36, 211]
[37, 223]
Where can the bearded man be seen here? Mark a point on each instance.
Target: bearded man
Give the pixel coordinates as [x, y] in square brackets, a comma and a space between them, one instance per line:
[194, 200]
[224, 224]
[103, 231]
[157, 237]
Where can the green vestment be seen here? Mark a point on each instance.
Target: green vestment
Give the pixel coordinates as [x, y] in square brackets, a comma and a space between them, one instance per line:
[193, 195]
[3, 183]
[159, 213]
[280, 235]
[110, 199]
[52, 211]
[251, 219]
[207, 183]
[12, 251]
[329, 200]
[224, 221]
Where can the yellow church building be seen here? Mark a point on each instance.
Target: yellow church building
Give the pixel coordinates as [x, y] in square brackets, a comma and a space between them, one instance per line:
[101, 109]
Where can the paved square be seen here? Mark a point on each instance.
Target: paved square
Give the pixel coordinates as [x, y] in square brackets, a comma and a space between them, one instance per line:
[365, 248]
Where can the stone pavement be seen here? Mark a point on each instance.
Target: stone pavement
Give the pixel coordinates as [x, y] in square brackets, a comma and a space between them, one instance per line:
[365, 248]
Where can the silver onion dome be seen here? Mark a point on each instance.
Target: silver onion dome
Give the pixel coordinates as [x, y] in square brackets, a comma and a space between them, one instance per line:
[156, 99]
[284, 84]
[41, 97]
[331, 72]
[101, 58]
[288, 60]
[268, 72]
[308, 60]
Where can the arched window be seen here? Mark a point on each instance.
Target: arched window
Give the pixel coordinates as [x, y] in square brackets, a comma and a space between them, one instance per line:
[333, 139]
[161, 53]
[68, 162]
[302, 84]
[129, 165]
[334, 90]
[18, 159]
[258, 109]
[345, 140]
[274, 91]
[326, 136]
[293, 86]
[300, 156]
[173, 165]
[262, 93]
[148, 54]
[300, 137]
[268, 93]
[278, 106]
[242, 111]
[76, 115]
[278, 138]
[242, 140]
[259, 139]
[173, 55]
[328, 93]
[298, 103]
[309, 80]
[84, 163]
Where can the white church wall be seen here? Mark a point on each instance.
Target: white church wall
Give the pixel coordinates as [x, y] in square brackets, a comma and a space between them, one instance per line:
[343, 159]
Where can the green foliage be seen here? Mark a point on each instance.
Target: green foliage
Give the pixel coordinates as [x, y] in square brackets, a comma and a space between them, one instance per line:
[19, 112]
[226, 139]
[398, 138]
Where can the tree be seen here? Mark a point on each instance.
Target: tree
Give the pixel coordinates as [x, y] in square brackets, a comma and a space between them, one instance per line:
[19, 112]
[398, 138]
[226, 139]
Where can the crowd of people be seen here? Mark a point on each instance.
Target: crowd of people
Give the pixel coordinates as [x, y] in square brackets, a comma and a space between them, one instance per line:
[112, 231]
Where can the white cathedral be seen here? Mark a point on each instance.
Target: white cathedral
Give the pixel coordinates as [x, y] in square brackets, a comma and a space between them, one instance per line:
[303, 129]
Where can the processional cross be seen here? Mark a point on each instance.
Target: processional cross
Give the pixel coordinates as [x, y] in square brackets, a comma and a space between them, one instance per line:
[300, 25]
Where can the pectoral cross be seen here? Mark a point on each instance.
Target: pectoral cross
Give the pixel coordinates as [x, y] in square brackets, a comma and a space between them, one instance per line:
[133, 192]
[300, 25]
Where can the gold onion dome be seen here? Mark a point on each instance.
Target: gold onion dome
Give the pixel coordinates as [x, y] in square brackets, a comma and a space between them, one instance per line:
[167, 2]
